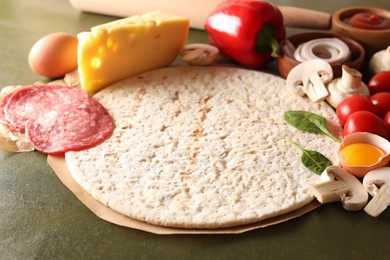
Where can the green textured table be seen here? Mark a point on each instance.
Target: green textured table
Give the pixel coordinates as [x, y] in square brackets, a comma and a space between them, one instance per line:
[41, 219]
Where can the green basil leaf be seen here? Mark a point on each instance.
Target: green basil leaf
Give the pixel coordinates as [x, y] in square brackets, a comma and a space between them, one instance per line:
[308, 122]
[312, 160]
[315, 161]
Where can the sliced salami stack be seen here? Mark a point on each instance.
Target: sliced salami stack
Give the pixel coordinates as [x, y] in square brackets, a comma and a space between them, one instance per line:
[56, 119]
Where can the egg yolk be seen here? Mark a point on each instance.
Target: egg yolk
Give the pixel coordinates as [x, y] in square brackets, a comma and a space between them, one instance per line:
[361, 154]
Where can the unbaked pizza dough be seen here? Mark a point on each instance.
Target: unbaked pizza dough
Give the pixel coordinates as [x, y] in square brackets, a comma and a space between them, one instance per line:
[202, 147]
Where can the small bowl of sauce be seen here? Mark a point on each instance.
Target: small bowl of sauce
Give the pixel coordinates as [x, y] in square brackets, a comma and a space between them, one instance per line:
[369, 26]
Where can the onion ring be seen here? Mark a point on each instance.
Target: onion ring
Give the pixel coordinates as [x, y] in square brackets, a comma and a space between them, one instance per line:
[332, 50]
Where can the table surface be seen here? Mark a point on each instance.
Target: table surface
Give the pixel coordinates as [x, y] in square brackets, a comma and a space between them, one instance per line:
[41, 219]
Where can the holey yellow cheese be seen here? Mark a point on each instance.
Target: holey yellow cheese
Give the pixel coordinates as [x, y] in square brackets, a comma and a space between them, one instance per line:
[126, 47]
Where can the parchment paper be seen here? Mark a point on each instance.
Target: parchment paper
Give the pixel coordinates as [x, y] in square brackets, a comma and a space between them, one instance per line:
[58, 164]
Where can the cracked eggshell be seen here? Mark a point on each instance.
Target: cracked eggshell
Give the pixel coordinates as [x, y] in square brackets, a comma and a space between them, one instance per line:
[362, 137]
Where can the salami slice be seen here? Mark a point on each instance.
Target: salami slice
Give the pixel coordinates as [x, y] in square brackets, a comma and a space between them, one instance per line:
[29, 102]
[69, 127]
[3, 103]
[56, 119]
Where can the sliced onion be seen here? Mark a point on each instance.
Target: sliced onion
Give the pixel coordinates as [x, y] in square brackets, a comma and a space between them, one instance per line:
[332, 50]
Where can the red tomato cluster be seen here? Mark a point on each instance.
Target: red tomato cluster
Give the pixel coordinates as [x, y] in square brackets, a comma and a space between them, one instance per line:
[363, 114]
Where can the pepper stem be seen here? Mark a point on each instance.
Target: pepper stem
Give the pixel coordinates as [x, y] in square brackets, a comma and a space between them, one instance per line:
[275, 47]
[266, 41]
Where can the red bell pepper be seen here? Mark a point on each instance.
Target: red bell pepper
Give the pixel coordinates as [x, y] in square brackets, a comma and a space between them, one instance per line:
[246, 31]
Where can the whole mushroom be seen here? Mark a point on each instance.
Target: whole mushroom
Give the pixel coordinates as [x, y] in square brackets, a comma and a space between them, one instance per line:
[350, 83]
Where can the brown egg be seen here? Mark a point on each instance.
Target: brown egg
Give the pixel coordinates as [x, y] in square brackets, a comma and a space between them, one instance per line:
[54, 55]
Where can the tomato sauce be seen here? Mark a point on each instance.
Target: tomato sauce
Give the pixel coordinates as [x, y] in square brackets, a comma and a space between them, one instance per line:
[365, 20]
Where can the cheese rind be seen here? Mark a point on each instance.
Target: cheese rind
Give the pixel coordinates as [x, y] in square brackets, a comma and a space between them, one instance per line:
[126, 47]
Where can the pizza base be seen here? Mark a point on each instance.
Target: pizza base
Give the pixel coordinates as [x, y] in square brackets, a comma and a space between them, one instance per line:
[201, 147]
[58, 164]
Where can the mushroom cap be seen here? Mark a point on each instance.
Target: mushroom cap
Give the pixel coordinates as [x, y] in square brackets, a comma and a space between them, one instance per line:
[199, 54]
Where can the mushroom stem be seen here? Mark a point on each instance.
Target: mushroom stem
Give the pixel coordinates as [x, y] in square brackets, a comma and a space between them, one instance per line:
[316, 91]
[348, 85]
[329, 191]
[379, 202]
[350, 78]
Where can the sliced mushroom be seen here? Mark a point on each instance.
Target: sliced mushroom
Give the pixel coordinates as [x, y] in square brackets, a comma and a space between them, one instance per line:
[377, 183]
[310, 77]
[339, 185]
[349, 84]
[199, 54]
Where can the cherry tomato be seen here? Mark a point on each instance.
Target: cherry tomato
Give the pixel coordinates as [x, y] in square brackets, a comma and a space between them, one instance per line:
[380, 82]
[364, 121]
[381, 103]
[386, 120]
[352, 104]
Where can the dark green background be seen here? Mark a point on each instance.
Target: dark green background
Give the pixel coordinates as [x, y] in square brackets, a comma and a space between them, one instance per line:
[41, 219]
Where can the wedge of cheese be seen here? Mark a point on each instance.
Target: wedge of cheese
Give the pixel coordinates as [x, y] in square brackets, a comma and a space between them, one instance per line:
[126, 47]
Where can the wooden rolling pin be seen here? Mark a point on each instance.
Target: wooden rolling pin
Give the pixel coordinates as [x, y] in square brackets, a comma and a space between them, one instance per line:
[197, 11]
